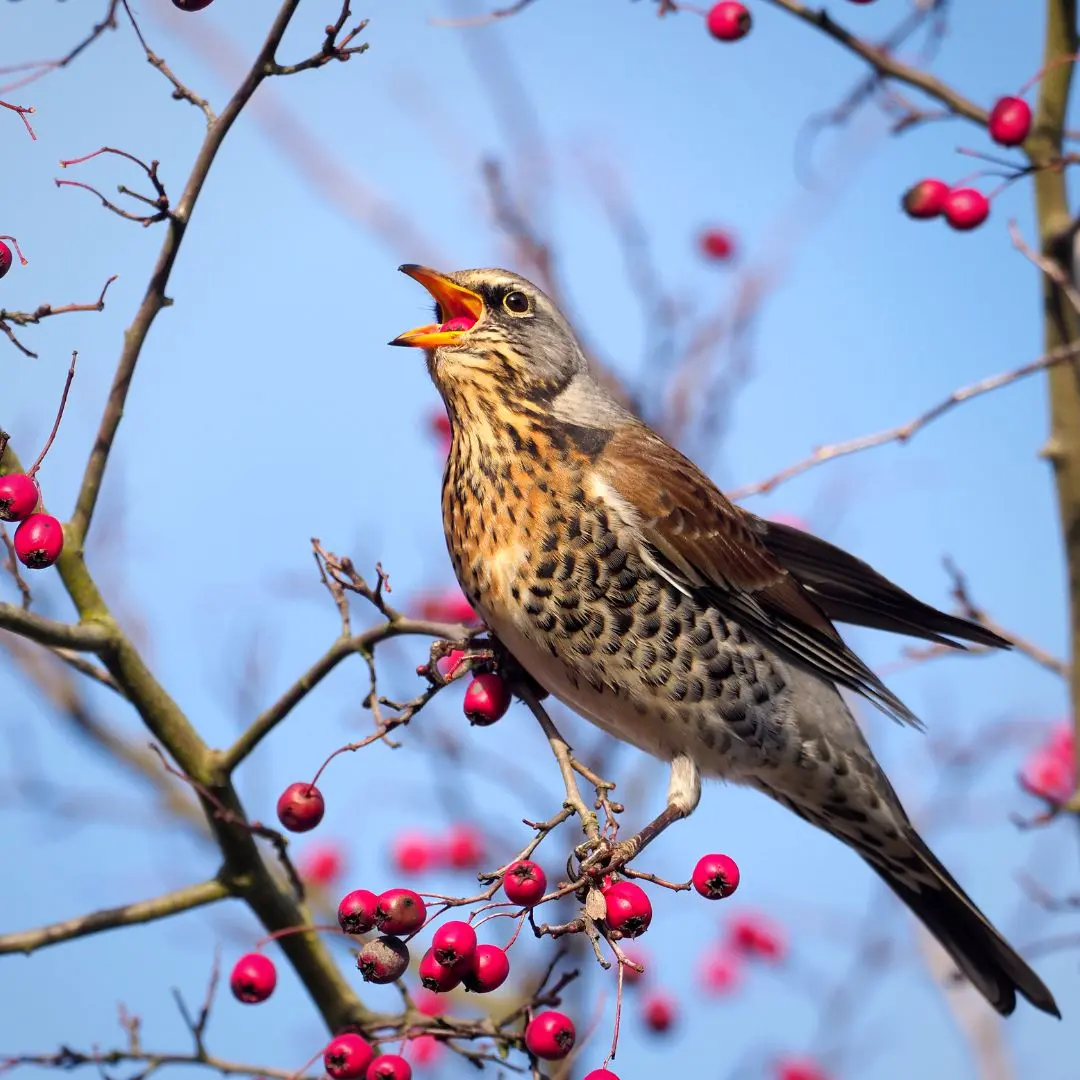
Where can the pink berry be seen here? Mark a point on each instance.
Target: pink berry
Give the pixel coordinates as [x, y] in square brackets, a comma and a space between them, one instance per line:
[728, 21]
[253, 978]
[799, 1069]
[488, 970]
[424, 1049]
[658, 1012]
[428, 1002]
[486, 699]
[1010, 121]
[400, 911]
[715, 876]
[5, 258]
[1049, 776]
[926, 199]
[464, 847]
[601, 1074]
[721, 970]
[628, 908]
[631, 974]
[413, 853]
[550, 1035]
[1062, 740]
[752, 934]
[347, 1056]
[389, 1067]
[448, 606]
[18, 496]
[448, 665]
[321, 865]
[453, 943]
[383, 960]
[356, 912]
[524, 883]
[300, 807]
[717, 244]
[438, 978]
[39, 541]
[966, 208]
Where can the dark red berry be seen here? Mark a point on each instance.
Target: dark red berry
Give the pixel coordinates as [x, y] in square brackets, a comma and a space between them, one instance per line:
[437, 977]
[383, 960]
[18, 496]
[524, 883]
[715, 876]
[5, 258]
[192, 5]
[926, 199]
[486, 699]
[1010, 121]
[658, 1012]
[389, 1067]
[966, 208]
[488, 970]
[301, 807]
[39, 541]
[400, 911]
[550, 1035]
[717, 244]
[347, 1057]
[728, 21]
[454, 942]
[628, 908]
[356, 912]
[253, 978]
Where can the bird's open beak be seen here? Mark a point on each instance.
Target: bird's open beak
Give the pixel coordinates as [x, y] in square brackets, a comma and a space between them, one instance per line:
[460, 307]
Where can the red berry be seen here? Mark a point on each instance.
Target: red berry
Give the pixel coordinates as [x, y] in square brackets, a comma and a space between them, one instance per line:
[728, 21]
[721, 970]
[1049, 775]
[356, 912]
[1010, 121]
[966, 208]
[413, 853]
[486, 699]
[18, 495]
[799, 1069]
[715, 876]
[717, 244]
[347, 1057]
[321, 865]
[488, 970]
[601, 1074]
[658, 1012]
[428, 1001]
[5, 258]
[438, 978]
[253, 978]
[550, 1035]
[383, 960]
[300, 807]
[524, 883]
[192, 5]
[464, 847]
[754, 935]
[39, 541]
[926, 199]
[447, 665]
[1062, 741]
[389, 1067]
[448, 606]
[400, 911]
[454, 942]
[628, 908]
[424, 1049]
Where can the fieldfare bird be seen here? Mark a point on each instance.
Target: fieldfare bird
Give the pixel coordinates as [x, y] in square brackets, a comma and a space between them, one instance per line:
[627, 585]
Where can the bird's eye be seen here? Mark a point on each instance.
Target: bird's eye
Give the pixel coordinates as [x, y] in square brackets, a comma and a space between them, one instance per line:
[516, 302]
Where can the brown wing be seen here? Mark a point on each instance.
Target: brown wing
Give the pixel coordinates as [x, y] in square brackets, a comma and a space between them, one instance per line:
[850, 591]
[708, 547]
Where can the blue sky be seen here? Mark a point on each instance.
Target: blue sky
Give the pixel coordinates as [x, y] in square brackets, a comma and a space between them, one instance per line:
[268, 409]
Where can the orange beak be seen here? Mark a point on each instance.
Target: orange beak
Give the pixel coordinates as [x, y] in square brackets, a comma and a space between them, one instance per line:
[461, 308]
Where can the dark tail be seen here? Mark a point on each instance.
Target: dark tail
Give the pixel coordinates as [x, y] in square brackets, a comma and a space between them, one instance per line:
[981, 953]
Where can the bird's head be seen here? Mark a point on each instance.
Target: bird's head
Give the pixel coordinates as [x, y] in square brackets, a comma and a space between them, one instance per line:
[494, 330]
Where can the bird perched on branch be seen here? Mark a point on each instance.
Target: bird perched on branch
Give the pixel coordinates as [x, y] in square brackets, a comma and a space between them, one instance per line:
[626, 584]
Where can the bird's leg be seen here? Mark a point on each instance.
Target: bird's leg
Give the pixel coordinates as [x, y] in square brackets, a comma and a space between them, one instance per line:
[684, 793]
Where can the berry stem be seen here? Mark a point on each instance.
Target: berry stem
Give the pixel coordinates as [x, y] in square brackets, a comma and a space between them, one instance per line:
[1037, 77]
[15, 244]
[59, 416]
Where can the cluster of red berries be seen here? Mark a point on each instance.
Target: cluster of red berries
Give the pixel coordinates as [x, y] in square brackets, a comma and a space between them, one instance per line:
[963, 208]
[1050, 771]
[352, 1057]
[39, 539]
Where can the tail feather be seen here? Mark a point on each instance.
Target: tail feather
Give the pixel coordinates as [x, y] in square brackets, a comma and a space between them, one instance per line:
[992, 965]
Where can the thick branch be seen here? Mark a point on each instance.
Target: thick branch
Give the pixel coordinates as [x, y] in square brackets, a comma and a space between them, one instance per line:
[84, 637]
[160, 907]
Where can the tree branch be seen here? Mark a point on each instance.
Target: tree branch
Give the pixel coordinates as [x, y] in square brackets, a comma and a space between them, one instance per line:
[83, 637]
[144, 911]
